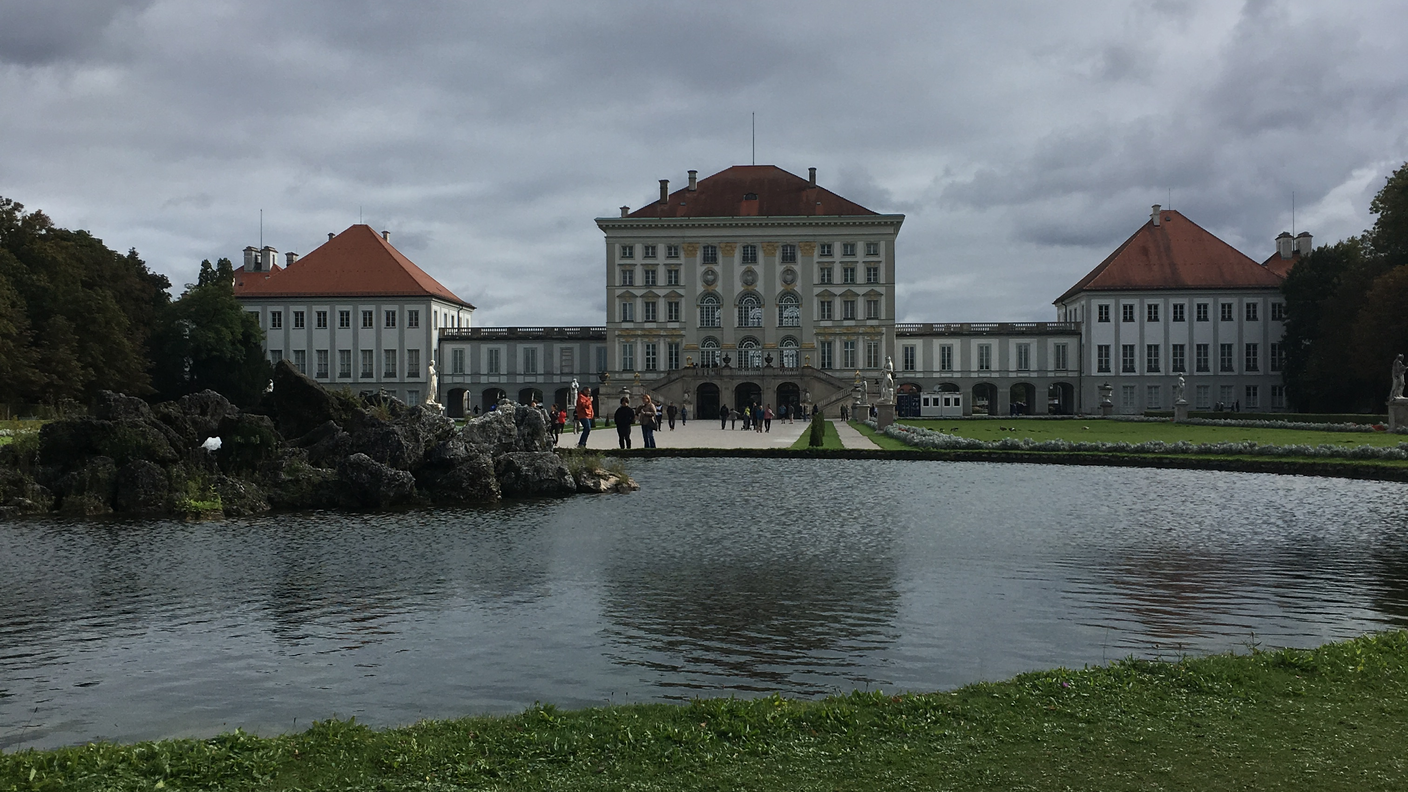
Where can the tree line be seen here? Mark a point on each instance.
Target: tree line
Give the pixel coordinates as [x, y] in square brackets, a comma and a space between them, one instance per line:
[1347, 312]
[77, 317]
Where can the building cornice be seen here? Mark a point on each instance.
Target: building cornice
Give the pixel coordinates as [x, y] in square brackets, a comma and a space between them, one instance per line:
[813, 221]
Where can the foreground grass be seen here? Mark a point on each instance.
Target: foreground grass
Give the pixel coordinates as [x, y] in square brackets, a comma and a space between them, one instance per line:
[830, 439]
[1328, 718]
[1096, 430]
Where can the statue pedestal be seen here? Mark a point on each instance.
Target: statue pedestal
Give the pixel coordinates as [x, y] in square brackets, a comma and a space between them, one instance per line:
[1180, 411]
[1397, 413]
[886, 417]
[1106, 410]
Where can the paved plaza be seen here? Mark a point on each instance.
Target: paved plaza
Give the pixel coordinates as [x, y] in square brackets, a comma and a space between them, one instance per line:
[707, 434]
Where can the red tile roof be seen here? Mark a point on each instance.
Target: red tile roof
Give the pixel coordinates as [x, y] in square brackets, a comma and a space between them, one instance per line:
[1176, 254]
[778, 194]
[1279, 265]
[355, 263]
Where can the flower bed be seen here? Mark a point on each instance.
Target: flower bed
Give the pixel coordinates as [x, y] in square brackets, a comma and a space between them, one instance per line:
[1258, 424]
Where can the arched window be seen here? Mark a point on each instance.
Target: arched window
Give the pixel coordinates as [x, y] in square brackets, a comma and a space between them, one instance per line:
[789, 310]
[750, 310]
[709, 310]
[709, 352]
[789, 347]
[750, 353]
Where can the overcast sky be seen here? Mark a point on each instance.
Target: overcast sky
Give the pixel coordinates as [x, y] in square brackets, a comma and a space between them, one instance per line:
[1024, 141]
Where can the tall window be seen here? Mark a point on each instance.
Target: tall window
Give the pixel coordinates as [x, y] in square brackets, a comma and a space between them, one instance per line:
[789, 310]
[824, 275]
[1278, 396]
[826, 349]
[848, 274]
[672, 251]
[652, 354]
[566, 360]
[709, 352]
[1153, 397]
[650, 275]
[1253, 397]
[789, 352]
[848, 249]
[1177, 359]
[344, 320]
[872, 354]
[412, 318]
[824, 249]
[276, 320]
[709, 310]
[530, 360]
[1202, 312]
[652, 311]
[1200, 354]
[824, 309]
[872, 248]
[1127, 398]
[1225, 358]
[1151, 312]
[848, 309]
[390, 318]
[493, 361]
[1127, 313]
[412, 362]
[710, 254]
[1225, 394]
[1178, 312]
[367, 363]
[672, 351]
[750, 353]
[848, 354]
[750, 310]
[1278, 314]
[628, 311]
[1251, 312]
[1102, 358]
[1277, 358]
[872, 274]
[367, 319]
[1227, 309]
[909, 357]
[946, 357]
[628, 277]
[750, 254]
[1253, 357]
[344, 364]
[672, 311]
[322, 358]
[628, 357]
[647, 251]
[1202, 397]
[1151, 358]
[628, 251]
[300, 360]
[600, 358]
[297, 320]
[872, 309]
[1024, 357]
[388, 364]
[1127, 359]
[1102, 313]
[672, 276]
[275, 355]
[789, 254]
[457, 361]
[320, 320]
[985, 357]
[1059, 355]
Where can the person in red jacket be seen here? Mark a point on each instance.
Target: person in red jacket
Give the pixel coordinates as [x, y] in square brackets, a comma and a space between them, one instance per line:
[584, 416]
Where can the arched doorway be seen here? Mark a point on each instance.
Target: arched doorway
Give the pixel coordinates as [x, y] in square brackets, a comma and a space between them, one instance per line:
[1021, 399]
[455, 402]
[984, 399]
[907, 400]
[747, 393]
[1061, 398]
[560, 396]
[706, 401]
[491, 397]
[530, 395]
[790, 394]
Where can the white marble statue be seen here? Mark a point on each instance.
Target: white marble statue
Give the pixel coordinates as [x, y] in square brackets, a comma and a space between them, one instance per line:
[433, 390]
[1178, 390]
[1398, 368]
[887, 390]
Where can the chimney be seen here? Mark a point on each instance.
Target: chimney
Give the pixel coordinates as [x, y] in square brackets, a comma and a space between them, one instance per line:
[1285, 244]
[289, 258]
[625, 210]
[693, 180]
[1303, 243]
[330, 236]
[1154, 215]
[251, 259]
[268, 258]
[811, 176]
[386, 235]
[664, 191]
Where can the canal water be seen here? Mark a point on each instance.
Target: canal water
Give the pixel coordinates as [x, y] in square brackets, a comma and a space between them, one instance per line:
[720, 577]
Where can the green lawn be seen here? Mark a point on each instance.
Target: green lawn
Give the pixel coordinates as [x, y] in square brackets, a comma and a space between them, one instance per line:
[1331, 718]
[1137, 432]
[829, 440]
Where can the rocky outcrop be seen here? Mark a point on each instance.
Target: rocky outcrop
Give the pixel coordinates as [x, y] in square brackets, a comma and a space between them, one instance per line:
[142, 488]
[533, 473]
[371, 484]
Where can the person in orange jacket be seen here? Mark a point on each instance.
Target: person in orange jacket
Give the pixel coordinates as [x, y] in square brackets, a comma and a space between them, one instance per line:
[585, 414]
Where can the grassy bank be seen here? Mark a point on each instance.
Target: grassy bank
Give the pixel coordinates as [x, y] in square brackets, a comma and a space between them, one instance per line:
[1326, 719]
[830, 439]
[1096, 430]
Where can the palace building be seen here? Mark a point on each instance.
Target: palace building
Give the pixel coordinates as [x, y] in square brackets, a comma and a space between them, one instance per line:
[758, 285]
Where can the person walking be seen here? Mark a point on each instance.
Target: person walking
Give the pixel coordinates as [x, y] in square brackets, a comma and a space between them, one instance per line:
[723, 416]
[625, 416]
[670, 413]
[649, 422]
[767, 418]
[684, 415]
[556, 427]
[757, 418]
[733, 419]
[585, 414]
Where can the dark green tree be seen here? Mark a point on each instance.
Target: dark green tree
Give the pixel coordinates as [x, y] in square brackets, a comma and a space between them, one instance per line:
[208, 340]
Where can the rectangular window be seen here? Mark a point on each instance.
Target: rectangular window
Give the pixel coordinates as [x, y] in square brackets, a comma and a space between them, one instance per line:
[652, 311]
[909, 358]
[412, 397]
[275, 355]
[1127, 404]
[848, 309]
[1127, 359]
[650, 276]
[1227, 309]
[1202, 397]
[367, 319]
[628, 311]
[344, 319]
[848, 249]
[1178, 359]
[672, 276]
[1278, 314]
[628, 357]
[1201, 358]
[848, 274]
[1202, 312]
[1278, 397]
[1102, 358]
[1151, 358]
[652, 356]
[1127, 313]
[1277, 358]
[672, 311]
[789, 254]
[672, 352]
[824, 275]
[872, 309]
[1224, 361]
[1102, 313]
[848, 355]
[872, 354]
[298, 320]
[709, 315]
[872, 248]
[1224, 395]
[647, 251]
[946, 357]
[628, 277]
[1253, 357]
[367, 363]
[530, 360]
[1024, 357]
[1059, 352]
[1253, 400]
[710, 254]
[320, 320]
[628, 251]
[749, 254]
[1251, 312]
[1178, 309]
[457, 361]
[600, 358]
[824, 309]
[390, 318]
[344, 364]
[300, 360]
[412, 362]
[872, 274]
[1151, 312]
[672, 251]
[566, 360]
[824, 249]
[276, 320]
[1153, 397]
[388, 364]
[985, 357]
[826, 350]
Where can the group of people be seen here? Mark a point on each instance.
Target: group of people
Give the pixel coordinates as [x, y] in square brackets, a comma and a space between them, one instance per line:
[758, 417]
[648, 415]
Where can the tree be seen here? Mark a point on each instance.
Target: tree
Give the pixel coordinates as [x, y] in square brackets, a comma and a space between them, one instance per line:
[207, 340]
